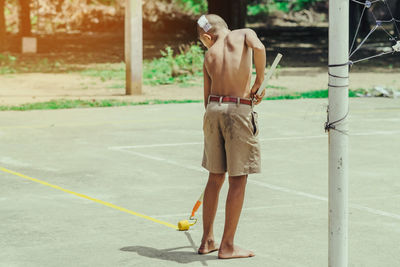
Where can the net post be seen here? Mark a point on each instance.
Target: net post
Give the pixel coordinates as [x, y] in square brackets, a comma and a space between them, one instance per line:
[338, 139]
[133, 46]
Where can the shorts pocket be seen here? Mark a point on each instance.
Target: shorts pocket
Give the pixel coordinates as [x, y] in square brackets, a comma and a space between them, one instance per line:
[254, 122]
[204, 120]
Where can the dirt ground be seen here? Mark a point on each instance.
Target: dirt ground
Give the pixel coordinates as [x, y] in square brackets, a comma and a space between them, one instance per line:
[303, 67]
[38, 87]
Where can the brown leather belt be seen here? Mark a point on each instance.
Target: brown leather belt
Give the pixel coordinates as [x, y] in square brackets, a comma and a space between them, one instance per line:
[224, 99]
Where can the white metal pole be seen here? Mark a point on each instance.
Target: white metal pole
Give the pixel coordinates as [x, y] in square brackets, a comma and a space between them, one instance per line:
[338, 139]
[133, 46]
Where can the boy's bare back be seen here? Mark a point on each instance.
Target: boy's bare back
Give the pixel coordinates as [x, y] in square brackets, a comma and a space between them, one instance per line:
[229, 64]
[228, 61]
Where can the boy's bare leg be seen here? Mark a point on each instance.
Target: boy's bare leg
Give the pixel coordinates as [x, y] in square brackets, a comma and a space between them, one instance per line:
[234, 203]
[210, 204]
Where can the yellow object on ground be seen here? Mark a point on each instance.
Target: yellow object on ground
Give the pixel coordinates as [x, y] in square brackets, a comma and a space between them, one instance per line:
[184, 225]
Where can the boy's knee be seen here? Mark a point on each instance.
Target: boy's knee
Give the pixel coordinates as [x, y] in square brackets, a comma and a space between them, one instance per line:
[217, 177]
[238, 180]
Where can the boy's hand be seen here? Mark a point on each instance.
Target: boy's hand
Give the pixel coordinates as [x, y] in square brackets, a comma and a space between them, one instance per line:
[253, 93]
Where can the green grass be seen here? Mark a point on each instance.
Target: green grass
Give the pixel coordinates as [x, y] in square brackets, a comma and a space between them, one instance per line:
[172, 68]
[196, 7]
[7, 64]
[311, 94]
[106, 74]
[69, 104]
[184, 68]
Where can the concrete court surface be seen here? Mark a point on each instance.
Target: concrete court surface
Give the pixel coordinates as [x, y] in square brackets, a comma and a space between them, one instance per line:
[146, 159]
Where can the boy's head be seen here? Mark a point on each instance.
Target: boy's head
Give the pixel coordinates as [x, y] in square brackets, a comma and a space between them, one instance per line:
[208, 27]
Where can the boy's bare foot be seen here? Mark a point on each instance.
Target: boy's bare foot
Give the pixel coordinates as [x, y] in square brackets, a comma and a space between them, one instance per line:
[207, 247]
[234, 252]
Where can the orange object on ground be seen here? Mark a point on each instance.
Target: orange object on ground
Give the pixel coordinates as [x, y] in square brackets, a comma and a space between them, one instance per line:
[195, 208]
[184, 225]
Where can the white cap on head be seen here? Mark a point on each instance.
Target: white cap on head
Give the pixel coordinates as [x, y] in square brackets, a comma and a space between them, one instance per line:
[204, 24]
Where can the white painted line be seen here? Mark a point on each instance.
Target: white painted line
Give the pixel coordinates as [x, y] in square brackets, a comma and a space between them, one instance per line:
[325, 136]
[201, 143]
[222, 209]
[377, 133]
[269, 186]
[287, 190]
[261, 139]
[293, 138]
[299, 193]
[374, 198]
[154, 145]
[374, 211]
[172, 162]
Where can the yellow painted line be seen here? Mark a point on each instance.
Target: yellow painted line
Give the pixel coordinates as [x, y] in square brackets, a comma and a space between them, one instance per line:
[90, 198]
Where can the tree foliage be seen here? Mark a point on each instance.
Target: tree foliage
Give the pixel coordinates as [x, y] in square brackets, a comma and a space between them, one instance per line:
[49, 16]
[196, 7]
[256, 7]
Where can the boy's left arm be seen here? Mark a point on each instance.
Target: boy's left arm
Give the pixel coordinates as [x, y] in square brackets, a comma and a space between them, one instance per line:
[253, 42]
[207, 85]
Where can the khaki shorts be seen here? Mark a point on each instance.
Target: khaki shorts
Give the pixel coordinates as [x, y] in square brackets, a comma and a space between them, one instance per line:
[230, 139]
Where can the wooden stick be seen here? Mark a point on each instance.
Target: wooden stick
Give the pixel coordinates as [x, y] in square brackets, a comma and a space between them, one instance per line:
[269, 74]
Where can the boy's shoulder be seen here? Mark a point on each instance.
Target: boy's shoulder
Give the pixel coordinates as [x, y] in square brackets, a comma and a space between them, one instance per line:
[241, 33]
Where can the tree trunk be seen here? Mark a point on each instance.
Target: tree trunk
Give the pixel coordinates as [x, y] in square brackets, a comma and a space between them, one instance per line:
[2, 26]
[59, 5]
[25, 28]
[232, 11]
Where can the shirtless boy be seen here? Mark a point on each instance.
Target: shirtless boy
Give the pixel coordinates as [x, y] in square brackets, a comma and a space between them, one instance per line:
[230, 125]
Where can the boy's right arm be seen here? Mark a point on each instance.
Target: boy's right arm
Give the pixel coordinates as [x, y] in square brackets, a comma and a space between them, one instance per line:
[254, 43]
[207, 85]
